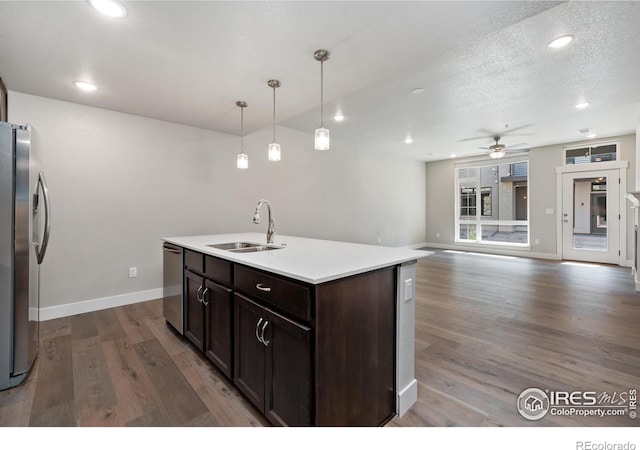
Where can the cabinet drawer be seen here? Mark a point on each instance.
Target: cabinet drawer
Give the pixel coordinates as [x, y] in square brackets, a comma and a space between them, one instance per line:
[217, 269]
[194, 261]
[287, 296]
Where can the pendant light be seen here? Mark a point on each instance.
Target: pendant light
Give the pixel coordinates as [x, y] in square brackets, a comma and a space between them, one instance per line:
[322, 134]
[274, 147]
[243, 158]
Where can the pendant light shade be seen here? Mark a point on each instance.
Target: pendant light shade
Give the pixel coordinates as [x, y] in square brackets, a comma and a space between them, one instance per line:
[243, 159]
[274, 147]
[274, 152]
[322, 134]
[322, 139]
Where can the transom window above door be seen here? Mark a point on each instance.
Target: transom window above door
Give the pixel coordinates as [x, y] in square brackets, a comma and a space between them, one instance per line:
[606, 151]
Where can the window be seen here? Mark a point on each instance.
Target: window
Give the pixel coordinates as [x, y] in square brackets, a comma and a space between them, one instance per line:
[593, 154]
[492, 204]
[468, 201]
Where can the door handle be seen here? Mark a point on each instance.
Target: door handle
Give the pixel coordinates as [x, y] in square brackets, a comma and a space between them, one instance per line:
[198, 294]
[257, 335]
[204, 294]
[266, 343]
[42, 248]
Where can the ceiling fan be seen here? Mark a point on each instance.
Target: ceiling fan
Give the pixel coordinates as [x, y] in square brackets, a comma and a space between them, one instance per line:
[498, 150]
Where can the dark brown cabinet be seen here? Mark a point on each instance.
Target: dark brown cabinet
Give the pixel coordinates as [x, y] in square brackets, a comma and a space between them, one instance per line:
[194, 309]
[218, 304]
[273, 362]
[208, 309]
[303, 354]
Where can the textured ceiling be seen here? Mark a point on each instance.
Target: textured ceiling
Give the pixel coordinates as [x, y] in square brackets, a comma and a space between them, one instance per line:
[483, 65]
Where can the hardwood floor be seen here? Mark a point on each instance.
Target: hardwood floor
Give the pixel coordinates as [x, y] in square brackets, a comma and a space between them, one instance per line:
[486, 329]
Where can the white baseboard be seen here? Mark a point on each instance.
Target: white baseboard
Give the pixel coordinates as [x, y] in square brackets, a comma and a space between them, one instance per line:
[526, 253]
[71, 309]
[416, 246]
[407, 397]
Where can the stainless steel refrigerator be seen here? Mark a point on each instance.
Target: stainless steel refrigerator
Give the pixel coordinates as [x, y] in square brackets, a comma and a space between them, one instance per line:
[24, 233]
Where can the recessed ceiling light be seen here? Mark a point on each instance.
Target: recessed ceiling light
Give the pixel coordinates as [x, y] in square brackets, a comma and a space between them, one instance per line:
[417, 91]
[110, 8]
[408, 140]
[591, 135]
[338, 117]
[85, 86]
[560, 42]
[582, 105]
[453, 155]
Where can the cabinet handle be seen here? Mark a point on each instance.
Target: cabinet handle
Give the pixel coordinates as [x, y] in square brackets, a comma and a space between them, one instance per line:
[266, 343]
[200, 299]
[263, 287]
[204, 294]
[257, 335]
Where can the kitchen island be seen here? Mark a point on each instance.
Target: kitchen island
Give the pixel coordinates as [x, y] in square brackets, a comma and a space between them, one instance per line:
[313, 332]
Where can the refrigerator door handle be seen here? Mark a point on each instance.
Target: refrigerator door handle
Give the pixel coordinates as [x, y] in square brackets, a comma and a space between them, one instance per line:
[42, 248]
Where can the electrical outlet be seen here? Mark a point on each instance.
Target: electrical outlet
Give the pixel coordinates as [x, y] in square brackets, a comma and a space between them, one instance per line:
[537, 241]
[133, 272]
[549, 211]
[408, 289]
[438, 235]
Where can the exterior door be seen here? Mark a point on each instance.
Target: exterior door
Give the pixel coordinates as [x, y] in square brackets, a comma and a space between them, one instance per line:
[591, 216]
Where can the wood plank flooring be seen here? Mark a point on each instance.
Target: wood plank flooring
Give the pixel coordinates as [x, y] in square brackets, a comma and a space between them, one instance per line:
[486, 329]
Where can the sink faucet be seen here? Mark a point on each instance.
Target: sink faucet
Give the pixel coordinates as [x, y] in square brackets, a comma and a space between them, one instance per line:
[271, 230]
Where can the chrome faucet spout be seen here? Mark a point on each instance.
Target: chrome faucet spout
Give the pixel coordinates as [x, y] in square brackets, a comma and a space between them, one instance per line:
[271, 229]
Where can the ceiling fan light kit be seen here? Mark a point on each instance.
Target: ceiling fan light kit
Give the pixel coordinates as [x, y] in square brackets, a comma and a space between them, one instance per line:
[498, 150]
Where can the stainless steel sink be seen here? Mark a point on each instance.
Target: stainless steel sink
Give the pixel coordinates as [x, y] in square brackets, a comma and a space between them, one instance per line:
[233, 245]
[243, 247]
[258, 248]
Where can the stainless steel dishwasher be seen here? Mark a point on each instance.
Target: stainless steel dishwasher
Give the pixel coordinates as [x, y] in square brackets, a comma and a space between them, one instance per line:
[172, 268]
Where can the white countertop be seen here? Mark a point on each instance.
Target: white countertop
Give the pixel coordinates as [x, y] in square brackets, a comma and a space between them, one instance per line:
[313, 261]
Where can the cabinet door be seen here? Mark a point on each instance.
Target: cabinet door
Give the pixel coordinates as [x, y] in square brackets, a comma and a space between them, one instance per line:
[194, 309]
[218, 302]
[287, 371]
[249, 350]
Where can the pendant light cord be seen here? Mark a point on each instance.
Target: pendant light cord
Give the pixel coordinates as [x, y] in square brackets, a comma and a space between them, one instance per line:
[242, 129]
[274, 114]
[321, 94]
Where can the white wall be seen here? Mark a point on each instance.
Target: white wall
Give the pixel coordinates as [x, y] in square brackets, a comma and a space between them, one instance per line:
[119, 183]
[542, 197]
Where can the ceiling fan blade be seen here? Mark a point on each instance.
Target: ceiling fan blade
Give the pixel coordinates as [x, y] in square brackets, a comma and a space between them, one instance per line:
[510, 130]
[520, 145]
[474, 138]
[484, 148]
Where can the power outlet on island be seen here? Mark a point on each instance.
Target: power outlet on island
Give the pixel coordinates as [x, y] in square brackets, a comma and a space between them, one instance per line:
[133, 272]
[408, 289]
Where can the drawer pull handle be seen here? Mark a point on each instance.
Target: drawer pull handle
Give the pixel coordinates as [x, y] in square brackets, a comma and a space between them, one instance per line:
[266, 343]
[262, 287]
[257, 335]
[204, 294]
